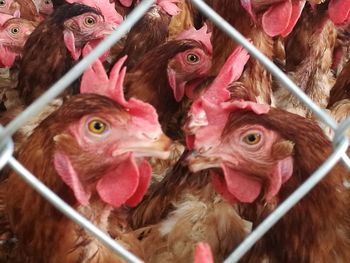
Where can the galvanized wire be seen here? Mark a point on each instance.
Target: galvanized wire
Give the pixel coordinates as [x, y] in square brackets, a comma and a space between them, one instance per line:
[6, 145]
[70, 212]
[6, 151]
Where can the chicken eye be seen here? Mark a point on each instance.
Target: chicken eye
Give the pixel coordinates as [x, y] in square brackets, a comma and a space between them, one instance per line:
[90, 21]
[2, 3]
[14, 30]
[97, 126]
[47, 2]
[252, 138]
[192, 58]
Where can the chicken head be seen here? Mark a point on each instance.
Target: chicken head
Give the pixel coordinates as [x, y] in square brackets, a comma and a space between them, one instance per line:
[249, 156]
[103, 151]
[188, 66]
[83, 28]
[140, 132]
[13, 35]
[11, 7]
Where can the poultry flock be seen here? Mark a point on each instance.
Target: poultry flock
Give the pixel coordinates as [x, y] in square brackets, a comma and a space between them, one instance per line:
[175, 142]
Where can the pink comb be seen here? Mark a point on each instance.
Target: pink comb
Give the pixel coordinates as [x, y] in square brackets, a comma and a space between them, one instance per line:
[200, 35]
[95, 80]
[230, 71]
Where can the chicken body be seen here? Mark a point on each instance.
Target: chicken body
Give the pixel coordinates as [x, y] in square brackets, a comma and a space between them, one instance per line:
[311, 67]
[181, 211]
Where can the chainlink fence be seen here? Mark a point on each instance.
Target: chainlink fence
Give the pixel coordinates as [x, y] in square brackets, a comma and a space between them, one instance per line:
[340, 141]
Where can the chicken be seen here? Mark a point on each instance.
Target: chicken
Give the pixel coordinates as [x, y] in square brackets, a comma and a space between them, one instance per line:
[311, 67]
[10, 7]
[183, 208]
[91, 159]
[149, 32]
[255, 77]
[13, 35]
[181, 64]
[258, 159]
[60, 38]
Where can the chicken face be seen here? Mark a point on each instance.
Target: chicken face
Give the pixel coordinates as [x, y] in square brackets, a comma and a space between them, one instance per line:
[88, 27]
[249, 158]
[15, 32]
[187, 66]
[13, 36]
[190, 65]
[104, 152]
[10, 7]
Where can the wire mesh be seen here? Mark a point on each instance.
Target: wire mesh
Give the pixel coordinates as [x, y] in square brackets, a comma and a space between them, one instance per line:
[340, 140]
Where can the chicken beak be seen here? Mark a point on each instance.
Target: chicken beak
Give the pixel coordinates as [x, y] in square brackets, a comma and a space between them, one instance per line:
[158, 148]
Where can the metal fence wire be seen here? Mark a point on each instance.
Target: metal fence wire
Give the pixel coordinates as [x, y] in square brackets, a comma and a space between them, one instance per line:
[340, 140]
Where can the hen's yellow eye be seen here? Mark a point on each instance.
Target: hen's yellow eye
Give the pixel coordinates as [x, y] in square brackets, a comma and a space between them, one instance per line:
[2, 3]
[192, 58]
[14, 30]
[90, 21]
[97, 126]
[252, 138]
